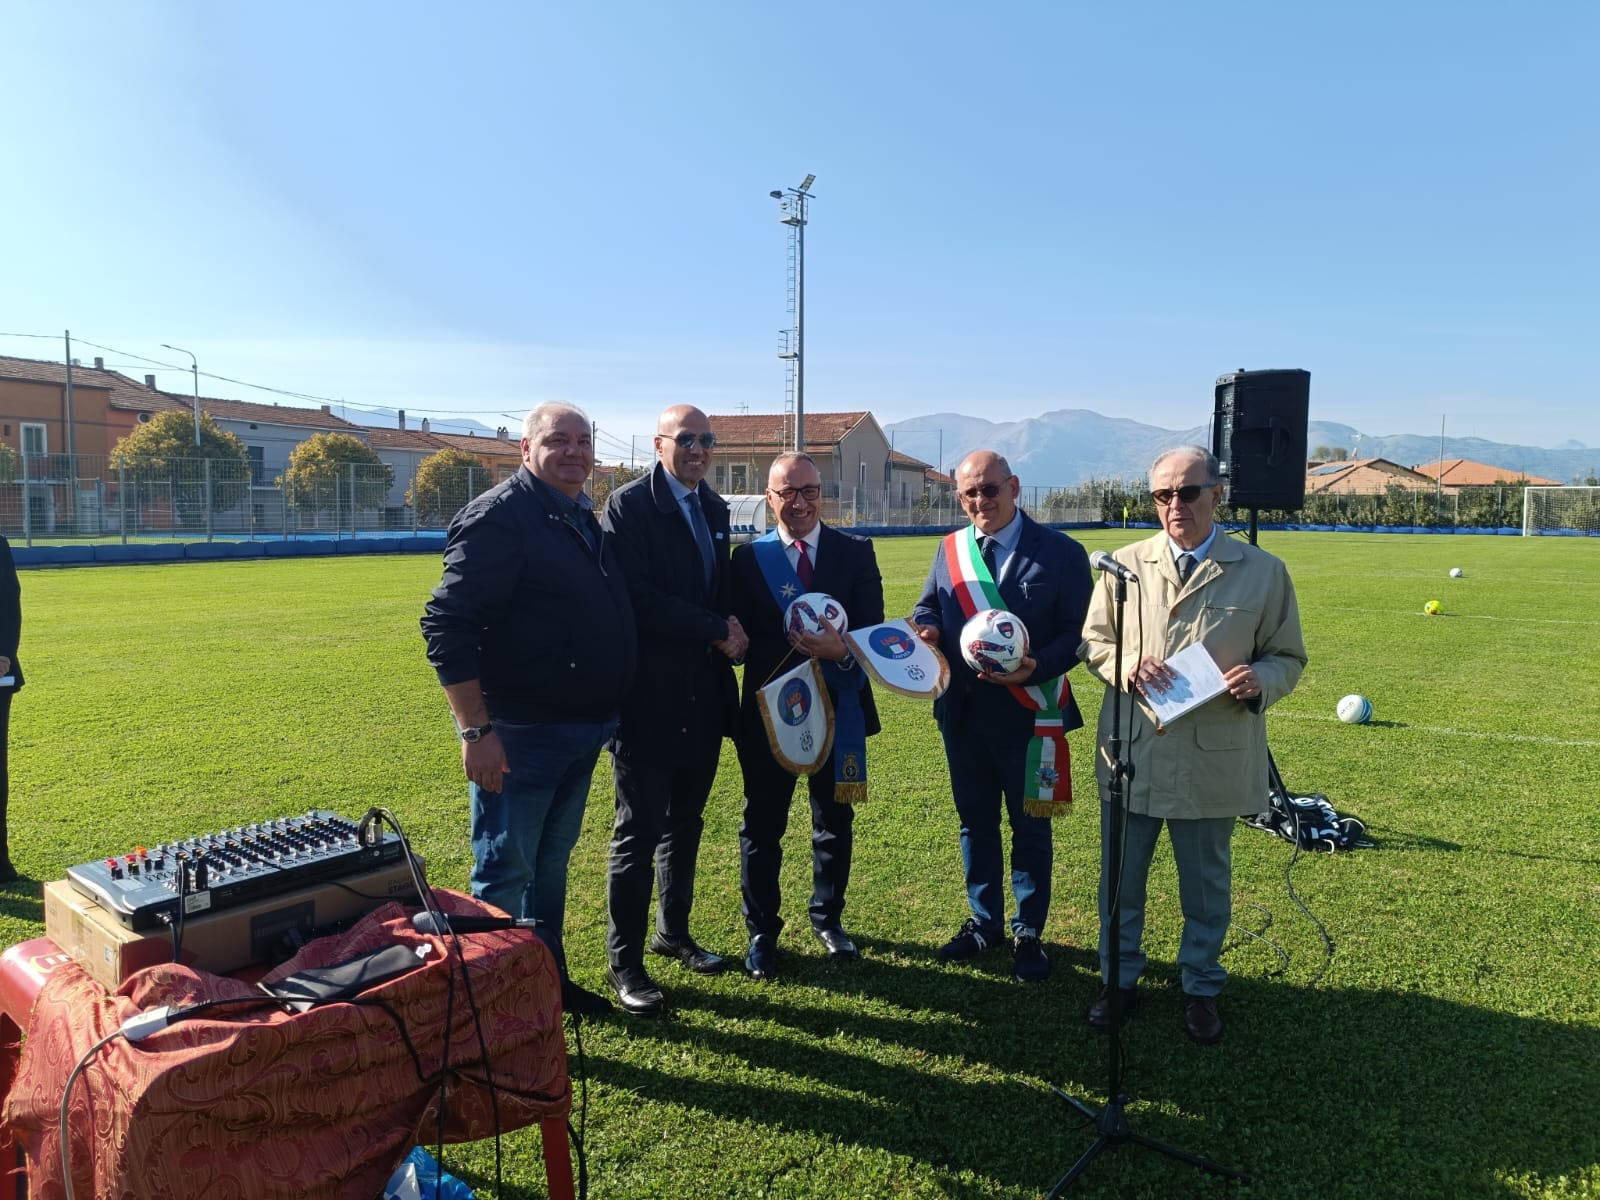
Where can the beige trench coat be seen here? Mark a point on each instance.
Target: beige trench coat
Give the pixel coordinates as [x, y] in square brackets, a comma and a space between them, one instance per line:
[1211, 762]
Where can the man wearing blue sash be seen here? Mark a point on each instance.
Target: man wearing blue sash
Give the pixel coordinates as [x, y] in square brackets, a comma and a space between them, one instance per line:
[801, 555]
[1004, 735]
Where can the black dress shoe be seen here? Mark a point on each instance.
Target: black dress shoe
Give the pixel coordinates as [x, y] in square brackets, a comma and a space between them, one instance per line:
[690, 953]
[762, 960]
[837, 941]
[1201, 1021]
[636, 991]
[582, 1002]
[1100, 1010]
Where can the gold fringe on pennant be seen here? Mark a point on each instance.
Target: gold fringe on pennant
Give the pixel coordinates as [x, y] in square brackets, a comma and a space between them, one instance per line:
[1050, 809]
[849, 793]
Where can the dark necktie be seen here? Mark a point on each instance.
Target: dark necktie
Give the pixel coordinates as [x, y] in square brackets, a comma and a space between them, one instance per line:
[702, 534]
[989, 548]
[802, 565]
[1185, 567]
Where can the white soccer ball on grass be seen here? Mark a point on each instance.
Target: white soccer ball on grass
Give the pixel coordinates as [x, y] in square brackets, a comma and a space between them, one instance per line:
[1355, 710]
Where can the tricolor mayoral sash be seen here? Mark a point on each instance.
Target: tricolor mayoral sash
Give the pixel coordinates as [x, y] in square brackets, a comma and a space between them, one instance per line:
[849, 722]
[1049, 769]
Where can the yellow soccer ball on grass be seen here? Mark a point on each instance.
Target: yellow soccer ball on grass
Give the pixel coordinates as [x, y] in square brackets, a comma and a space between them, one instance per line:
[1433, 608]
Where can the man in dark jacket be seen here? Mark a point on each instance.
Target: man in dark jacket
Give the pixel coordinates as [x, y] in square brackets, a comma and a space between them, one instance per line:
[670, 533]
[532, 635]
[806, 556]
[1004, 734]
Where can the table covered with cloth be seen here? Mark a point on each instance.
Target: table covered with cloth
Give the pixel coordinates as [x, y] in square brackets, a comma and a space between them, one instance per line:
[253, 1102]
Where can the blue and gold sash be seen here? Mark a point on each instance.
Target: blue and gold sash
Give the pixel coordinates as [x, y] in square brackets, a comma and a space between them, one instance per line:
[849, 718]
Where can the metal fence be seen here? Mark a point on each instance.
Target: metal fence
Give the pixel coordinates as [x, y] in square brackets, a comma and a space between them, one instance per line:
[58, 497]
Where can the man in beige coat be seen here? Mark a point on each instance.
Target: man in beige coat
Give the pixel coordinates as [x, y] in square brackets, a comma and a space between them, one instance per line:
[1210, 766]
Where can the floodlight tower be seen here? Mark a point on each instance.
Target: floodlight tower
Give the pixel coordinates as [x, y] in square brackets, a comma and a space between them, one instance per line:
[792, 205]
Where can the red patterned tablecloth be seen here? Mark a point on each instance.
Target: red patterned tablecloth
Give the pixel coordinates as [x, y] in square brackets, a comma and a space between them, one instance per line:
[254, 1103]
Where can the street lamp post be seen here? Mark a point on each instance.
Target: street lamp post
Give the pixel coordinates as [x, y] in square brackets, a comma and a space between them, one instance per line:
[196, 368]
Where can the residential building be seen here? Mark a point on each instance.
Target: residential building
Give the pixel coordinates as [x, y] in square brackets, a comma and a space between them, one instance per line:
[1463, 472]
[1362, 477]
[852, 453]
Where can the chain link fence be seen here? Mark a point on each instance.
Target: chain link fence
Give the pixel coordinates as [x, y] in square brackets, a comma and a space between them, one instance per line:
[56, 497]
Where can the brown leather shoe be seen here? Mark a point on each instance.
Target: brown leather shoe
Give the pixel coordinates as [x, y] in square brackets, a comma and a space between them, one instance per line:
[1100, 1010]
[1201, 1020]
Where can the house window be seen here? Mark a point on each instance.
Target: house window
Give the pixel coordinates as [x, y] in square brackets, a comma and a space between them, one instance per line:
[737, 480]
[35, 439]
[258, 466]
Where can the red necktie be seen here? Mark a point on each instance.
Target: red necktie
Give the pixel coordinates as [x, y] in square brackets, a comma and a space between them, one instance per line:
[802, 566]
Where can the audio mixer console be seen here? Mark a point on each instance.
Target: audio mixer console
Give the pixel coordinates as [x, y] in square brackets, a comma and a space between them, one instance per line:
[145, 887]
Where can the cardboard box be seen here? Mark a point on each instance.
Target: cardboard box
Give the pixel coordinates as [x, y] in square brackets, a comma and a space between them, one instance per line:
[216, 942]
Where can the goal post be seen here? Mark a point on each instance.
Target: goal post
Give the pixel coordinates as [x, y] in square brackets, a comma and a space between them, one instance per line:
[1569, 511]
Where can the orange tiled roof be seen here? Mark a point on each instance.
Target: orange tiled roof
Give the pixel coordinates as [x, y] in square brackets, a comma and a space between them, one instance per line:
[269, 414]
[483, 447]
[769, 431]
[125, 392]
[1463, 472]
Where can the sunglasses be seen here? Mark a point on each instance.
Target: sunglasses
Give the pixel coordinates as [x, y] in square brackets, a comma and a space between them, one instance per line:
[987, 490]
[1188, 493]
[686, 440]
[787, 495]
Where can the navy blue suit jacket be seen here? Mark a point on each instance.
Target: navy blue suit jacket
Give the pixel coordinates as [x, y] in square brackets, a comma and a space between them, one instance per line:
[684, 692]
[1046, 583]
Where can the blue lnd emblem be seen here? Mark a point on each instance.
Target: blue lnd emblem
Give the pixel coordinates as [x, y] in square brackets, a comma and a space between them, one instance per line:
[1048, 777]
[890, 642]
[795, 702]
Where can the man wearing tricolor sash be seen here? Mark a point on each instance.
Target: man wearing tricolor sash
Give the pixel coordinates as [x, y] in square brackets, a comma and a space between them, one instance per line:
[801, 555]
[1005, 735]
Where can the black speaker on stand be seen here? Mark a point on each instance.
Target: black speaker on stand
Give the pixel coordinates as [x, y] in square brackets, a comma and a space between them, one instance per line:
[1258, 433]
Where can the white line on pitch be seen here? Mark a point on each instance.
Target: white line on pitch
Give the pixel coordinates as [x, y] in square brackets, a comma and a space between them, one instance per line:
[1466, 733]
[1459, 616]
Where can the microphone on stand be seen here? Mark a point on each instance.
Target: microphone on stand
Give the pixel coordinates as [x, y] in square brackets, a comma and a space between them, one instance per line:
[441, 923]
[1101, 561]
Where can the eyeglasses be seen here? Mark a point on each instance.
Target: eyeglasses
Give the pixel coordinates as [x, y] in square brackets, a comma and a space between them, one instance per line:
[987, 490]
[685, 440]
[1188, 493]
[788, 495]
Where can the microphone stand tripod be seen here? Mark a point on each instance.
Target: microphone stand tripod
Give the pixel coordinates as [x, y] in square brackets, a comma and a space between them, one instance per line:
[1111, 1122]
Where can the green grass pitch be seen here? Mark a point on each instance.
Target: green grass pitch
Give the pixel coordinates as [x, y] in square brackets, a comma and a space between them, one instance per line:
[1450, 1048]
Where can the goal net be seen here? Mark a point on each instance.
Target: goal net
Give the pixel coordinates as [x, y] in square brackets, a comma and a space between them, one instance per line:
[1561, 510]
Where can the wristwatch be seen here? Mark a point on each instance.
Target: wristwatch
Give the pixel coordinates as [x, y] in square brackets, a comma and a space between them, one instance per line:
[473, 732]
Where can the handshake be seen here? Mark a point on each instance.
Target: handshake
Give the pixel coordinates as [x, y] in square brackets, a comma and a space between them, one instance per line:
[737, 644]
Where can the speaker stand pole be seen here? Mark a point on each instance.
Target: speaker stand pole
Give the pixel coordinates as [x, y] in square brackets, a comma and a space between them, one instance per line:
[1111, 1122]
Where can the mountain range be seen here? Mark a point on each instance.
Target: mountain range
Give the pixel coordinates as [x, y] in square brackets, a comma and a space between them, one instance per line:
[1074, 445]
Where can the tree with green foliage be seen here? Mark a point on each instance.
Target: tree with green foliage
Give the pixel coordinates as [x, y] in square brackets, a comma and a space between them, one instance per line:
[8, 464]
[160, 458]
[445, 481]
[335, 472]
[601, 487]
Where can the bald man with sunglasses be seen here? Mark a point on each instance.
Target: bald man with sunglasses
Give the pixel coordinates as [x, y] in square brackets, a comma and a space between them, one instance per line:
[990, 723]
[1210, 767]
[671, 536]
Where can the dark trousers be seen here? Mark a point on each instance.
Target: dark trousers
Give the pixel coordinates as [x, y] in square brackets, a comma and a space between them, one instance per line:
[656, 839]
[984, 772]
[768, 792]
[5, 780]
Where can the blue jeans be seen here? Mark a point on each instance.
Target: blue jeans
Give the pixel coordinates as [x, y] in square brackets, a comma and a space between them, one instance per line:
[523, 836]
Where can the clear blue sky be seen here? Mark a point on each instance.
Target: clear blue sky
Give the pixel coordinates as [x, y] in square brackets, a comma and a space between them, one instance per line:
[467, 209]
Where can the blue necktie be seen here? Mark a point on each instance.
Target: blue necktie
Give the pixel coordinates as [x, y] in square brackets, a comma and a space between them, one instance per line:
[702, 534]
[1185, 566]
